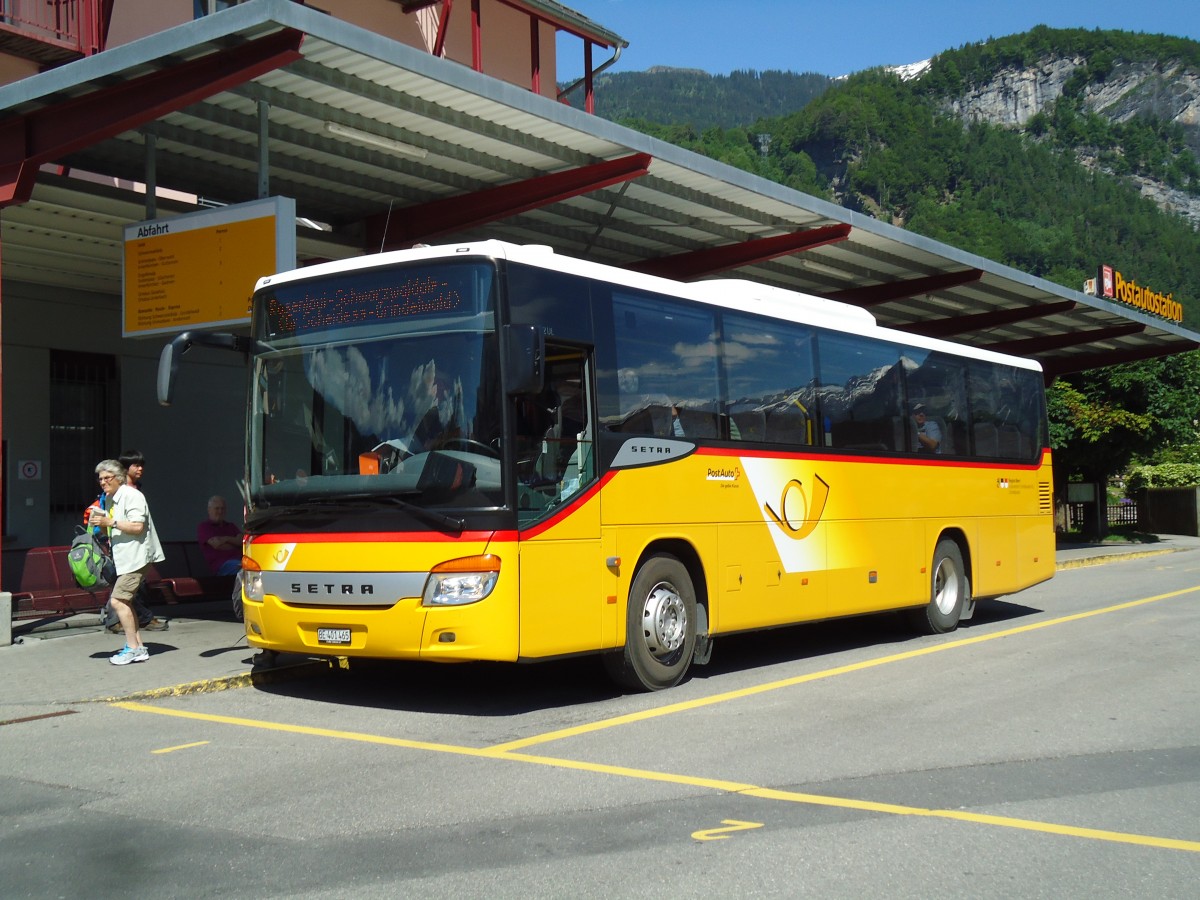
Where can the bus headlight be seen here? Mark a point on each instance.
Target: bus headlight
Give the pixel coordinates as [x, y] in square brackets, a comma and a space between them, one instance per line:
[252, 583]
[461, 581]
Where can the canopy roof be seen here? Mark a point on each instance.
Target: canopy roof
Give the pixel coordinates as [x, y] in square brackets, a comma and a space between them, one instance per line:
[385, 145]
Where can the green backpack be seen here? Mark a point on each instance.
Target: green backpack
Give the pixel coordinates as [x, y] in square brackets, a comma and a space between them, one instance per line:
[91, 565]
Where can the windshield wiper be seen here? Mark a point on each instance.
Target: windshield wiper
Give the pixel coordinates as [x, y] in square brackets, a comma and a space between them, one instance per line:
[338, 505]
[451, 523]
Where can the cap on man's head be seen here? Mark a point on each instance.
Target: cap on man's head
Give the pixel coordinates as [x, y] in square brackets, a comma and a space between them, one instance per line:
[918, 407]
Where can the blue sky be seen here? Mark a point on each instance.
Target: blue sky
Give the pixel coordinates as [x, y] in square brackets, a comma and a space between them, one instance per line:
[836, 37]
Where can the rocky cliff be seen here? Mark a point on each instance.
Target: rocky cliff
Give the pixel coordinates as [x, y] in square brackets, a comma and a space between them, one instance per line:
[1169, 91]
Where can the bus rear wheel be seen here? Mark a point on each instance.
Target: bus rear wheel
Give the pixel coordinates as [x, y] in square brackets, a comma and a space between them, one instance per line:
[949, 590]
[660, 628]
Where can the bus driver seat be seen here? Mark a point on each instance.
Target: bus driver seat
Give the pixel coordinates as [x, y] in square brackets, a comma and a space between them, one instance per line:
[565, 452]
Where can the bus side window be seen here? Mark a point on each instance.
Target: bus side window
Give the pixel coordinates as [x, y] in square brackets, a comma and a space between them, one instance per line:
[698, 423]
[771, 381]
[666, 368]
[789, 425]
[565, 461]
[748, 425]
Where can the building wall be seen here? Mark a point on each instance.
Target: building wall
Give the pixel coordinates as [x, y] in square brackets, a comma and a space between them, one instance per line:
[13, 68]
[388, 19]
[197, 442]
[506, 47]
[133, 19]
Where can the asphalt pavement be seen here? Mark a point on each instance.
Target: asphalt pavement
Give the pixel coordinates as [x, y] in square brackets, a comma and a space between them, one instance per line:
[57, 662]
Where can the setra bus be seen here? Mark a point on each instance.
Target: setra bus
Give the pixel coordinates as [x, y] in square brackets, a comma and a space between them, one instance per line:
[492, 452]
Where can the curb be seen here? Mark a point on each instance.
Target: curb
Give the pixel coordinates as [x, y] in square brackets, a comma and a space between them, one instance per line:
[253, 678]
[1085, 561]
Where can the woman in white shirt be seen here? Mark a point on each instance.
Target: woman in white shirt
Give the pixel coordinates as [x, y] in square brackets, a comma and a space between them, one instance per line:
[135, 547]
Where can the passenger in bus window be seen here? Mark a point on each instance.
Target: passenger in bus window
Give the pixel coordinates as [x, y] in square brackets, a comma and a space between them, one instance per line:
[645, 412]
[677, 429]
[929, 436]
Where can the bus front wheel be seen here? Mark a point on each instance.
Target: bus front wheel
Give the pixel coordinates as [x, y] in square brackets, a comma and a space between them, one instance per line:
[949, 590]
[660, 629]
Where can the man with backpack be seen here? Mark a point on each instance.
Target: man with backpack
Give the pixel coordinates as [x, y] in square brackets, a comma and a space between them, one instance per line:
[135, 464]
[135, 547]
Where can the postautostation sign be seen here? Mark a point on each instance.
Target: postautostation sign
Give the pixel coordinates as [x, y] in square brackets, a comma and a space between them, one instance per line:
[1112, 285]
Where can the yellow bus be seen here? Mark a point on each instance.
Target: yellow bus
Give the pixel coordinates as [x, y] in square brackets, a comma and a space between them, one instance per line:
[492, 452]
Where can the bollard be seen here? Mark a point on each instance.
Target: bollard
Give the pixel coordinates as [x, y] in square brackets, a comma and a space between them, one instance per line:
[6, 611]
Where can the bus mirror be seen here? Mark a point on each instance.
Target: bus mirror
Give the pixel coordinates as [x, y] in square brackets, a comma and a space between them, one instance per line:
[168, 361]
[168, 368]
[525, 352]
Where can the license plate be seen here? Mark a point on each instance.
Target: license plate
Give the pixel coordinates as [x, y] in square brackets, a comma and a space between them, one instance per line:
[333, 635]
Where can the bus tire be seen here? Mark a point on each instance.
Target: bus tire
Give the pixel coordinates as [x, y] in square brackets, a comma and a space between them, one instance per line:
[660, 628]
[949, 589]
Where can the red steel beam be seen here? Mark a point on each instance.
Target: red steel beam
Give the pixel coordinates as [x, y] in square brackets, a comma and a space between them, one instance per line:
[878, 294]
[1032, 346]
[953, 325]
[535, 55]
[698, 263]
[29, 140]
[476, 37]
[414, 223]
[1065, 365]
[589, 90]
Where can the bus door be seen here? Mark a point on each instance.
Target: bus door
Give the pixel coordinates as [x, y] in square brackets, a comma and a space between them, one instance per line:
[562, 561]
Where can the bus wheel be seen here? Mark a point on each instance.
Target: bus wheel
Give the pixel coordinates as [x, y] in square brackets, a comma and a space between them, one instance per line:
[948, 591]
[660, 630]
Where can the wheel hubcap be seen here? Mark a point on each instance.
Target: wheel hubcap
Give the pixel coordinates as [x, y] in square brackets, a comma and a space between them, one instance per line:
[664, 620]
[945, 587]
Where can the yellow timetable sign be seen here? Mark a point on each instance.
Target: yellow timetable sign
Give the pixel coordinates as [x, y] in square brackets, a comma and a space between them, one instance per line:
[199, 270]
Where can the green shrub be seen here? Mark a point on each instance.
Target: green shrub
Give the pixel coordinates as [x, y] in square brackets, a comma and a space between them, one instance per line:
[1166, 475]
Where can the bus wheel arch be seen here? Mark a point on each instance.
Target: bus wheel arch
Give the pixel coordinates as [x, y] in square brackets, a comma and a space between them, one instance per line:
[666, 614]
[949, 587]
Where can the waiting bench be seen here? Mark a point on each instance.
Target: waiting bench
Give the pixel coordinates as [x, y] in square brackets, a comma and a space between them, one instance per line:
[48, 587]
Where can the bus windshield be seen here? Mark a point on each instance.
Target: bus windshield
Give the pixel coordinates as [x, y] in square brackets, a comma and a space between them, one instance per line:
[381, 384]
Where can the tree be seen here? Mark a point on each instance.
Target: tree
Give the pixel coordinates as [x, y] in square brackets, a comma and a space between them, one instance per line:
[1104, 419]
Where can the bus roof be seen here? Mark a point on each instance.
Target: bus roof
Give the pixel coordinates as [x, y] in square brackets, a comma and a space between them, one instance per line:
[727, 293]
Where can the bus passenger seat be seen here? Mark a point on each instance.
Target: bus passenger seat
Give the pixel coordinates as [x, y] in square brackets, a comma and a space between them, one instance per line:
[751, 425]
[987, 441]
[697, 423]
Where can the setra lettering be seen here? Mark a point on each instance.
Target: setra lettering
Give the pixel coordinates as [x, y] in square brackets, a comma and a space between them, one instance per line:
[314, 587]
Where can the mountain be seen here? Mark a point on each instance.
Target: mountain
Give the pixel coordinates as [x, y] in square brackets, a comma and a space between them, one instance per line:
[1133, 101]
[1052, 151]
[670, 96]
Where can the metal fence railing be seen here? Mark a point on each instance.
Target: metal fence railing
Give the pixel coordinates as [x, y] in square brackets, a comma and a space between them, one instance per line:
[1123, 514]
[1118, 514]
[70, 24]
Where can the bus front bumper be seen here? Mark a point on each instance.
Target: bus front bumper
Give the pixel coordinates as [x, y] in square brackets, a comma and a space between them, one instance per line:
[485, 630]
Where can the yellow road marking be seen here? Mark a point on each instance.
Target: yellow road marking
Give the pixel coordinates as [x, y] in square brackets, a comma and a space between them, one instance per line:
[305, 729]
[714, 784]
[1095, 834]
[741, 693]
[180, 747]
[720, 834]
[506, 751]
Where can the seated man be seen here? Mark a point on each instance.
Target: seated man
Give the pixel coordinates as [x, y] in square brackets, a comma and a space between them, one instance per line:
[929, 436]
[221, 541]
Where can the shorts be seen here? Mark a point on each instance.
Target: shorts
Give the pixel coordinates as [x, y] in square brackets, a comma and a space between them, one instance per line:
[127, 585]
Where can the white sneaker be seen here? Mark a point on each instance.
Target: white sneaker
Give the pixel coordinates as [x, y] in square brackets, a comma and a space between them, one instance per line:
[127, 655]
